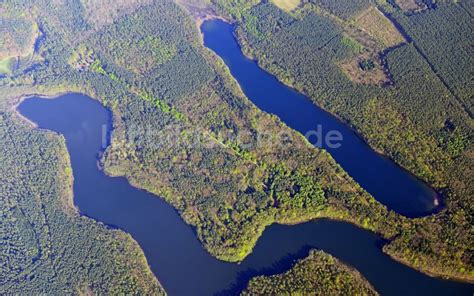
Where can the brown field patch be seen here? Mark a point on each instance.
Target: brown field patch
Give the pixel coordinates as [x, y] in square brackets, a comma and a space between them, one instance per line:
[377, 75]
[287, 5]
[378, 26]
[410, 5]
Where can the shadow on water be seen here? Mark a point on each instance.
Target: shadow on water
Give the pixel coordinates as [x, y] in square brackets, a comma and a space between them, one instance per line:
[174, 253]
[284, 264]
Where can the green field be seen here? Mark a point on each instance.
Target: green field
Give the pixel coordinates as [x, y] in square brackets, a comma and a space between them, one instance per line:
[6, 65]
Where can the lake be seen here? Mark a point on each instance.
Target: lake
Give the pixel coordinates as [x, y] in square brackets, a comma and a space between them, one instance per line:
[175, 255]
[381, 177]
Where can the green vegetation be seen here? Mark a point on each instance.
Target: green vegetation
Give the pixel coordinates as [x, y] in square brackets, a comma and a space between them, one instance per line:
[229, 192]
[379, 27]
[143, 54]
[6, 65]
[102, 13]
[18, 35]
[343, 9]
[418, 121]
[445, 47]
[367, 65]
[46, 246]
[287, 5]
[318, 274]
[352, 44]
[410, 6]
[235, 8]
[176, 132]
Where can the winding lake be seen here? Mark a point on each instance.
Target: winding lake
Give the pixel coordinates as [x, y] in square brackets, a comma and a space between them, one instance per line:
[381, 177]
[175, 255]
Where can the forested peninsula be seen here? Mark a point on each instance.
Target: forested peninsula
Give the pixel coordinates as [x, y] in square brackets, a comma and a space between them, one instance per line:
[405, 93]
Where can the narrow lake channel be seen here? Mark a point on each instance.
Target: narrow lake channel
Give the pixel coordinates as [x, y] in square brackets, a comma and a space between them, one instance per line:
[380, 176]
[175, 255]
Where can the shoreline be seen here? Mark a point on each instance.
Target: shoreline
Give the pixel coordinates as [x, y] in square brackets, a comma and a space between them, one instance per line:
[66, 159]
[20, 99]
[438, 198]
[453, 278]
[21, 114]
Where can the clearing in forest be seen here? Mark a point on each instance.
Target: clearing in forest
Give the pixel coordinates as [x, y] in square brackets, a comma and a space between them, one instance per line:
[287, 5]
[410, 5]
[378, 26]
[6, 65]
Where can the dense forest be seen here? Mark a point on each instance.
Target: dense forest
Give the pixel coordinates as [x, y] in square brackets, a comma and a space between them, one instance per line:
[46, 246]
[445, 49]
[346, 9]
[317, 274]
[228, 191]
[185, 131]
[17, 43]
[434, 142]
[420, 119]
